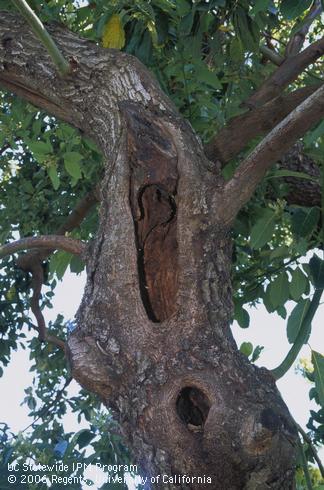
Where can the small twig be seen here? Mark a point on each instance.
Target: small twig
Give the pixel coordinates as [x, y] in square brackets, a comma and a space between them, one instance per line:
[312, 448]
[52, 242]
[39, 30]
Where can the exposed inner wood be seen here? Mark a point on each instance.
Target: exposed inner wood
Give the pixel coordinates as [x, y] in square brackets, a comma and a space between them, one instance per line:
[152, 193]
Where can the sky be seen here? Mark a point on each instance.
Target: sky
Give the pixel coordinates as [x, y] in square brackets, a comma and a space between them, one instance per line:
[265, 329]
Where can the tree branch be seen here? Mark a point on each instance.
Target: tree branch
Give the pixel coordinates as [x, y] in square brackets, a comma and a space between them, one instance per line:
[55, 242]
[296, 42]
[80, 211]
[256, 122]
[32, 262]
[286, 73]
[272, 55]
[239, 189]
[39, 30]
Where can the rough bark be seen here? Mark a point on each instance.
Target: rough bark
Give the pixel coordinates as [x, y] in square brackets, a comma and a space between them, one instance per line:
[153, 337]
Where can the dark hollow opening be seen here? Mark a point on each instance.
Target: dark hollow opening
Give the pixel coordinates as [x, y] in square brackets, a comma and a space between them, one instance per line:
[192, 406]
[155, 232]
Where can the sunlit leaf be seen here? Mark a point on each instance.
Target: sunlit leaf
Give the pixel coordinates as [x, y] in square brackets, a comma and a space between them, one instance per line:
[113, 33]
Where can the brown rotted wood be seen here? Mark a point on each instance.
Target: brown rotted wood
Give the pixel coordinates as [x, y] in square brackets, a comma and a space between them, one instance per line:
[153, 188]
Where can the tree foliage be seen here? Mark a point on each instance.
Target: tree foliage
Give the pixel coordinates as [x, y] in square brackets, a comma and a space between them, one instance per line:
[209, 57]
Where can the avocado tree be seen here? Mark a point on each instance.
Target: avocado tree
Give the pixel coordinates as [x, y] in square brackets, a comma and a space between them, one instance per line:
[159, 144]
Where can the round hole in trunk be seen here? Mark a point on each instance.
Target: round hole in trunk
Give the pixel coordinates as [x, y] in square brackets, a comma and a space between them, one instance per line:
[192, 406]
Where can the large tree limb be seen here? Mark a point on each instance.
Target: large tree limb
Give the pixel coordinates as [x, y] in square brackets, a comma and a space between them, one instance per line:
[256, 122]
[26, 69]
[286, 73]
[52, 242]
[240, 188]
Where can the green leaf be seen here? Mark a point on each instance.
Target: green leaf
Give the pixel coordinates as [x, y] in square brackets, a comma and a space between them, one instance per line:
[76, 264]
[145, 48]
[241, 316]
[72, 161]
[291, 173]
[296, 319]
[59, 262]
[281, 310]
[84, 437]
[236, 50]
[304, 221]
[260, 6]
[318, 363]
[316, 266]
[246, 348]
[205, 75]
[291, 9]
[279, 290]
[186, 23]
[183, 7]
[244, 28]
[282, 251]
[40, 147]
[162, 27]
[256, 353]
[298, 284]
[263, 229]
[53, 175]
[312, 136]
[267, 301]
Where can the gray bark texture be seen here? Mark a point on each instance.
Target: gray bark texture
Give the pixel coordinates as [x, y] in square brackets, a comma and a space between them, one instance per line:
[153, 336]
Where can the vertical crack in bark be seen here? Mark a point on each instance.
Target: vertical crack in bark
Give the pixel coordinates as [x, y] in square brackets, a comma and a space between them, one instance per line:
[152, 196]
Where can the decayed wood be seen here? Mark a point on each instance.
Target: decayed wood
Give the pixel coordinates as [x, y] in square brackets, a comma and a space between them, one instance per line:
[153, 189]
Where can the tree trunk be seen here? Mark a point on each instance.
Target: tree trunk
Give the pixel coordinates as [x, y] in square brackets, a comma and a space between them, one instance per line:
[153, 338]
